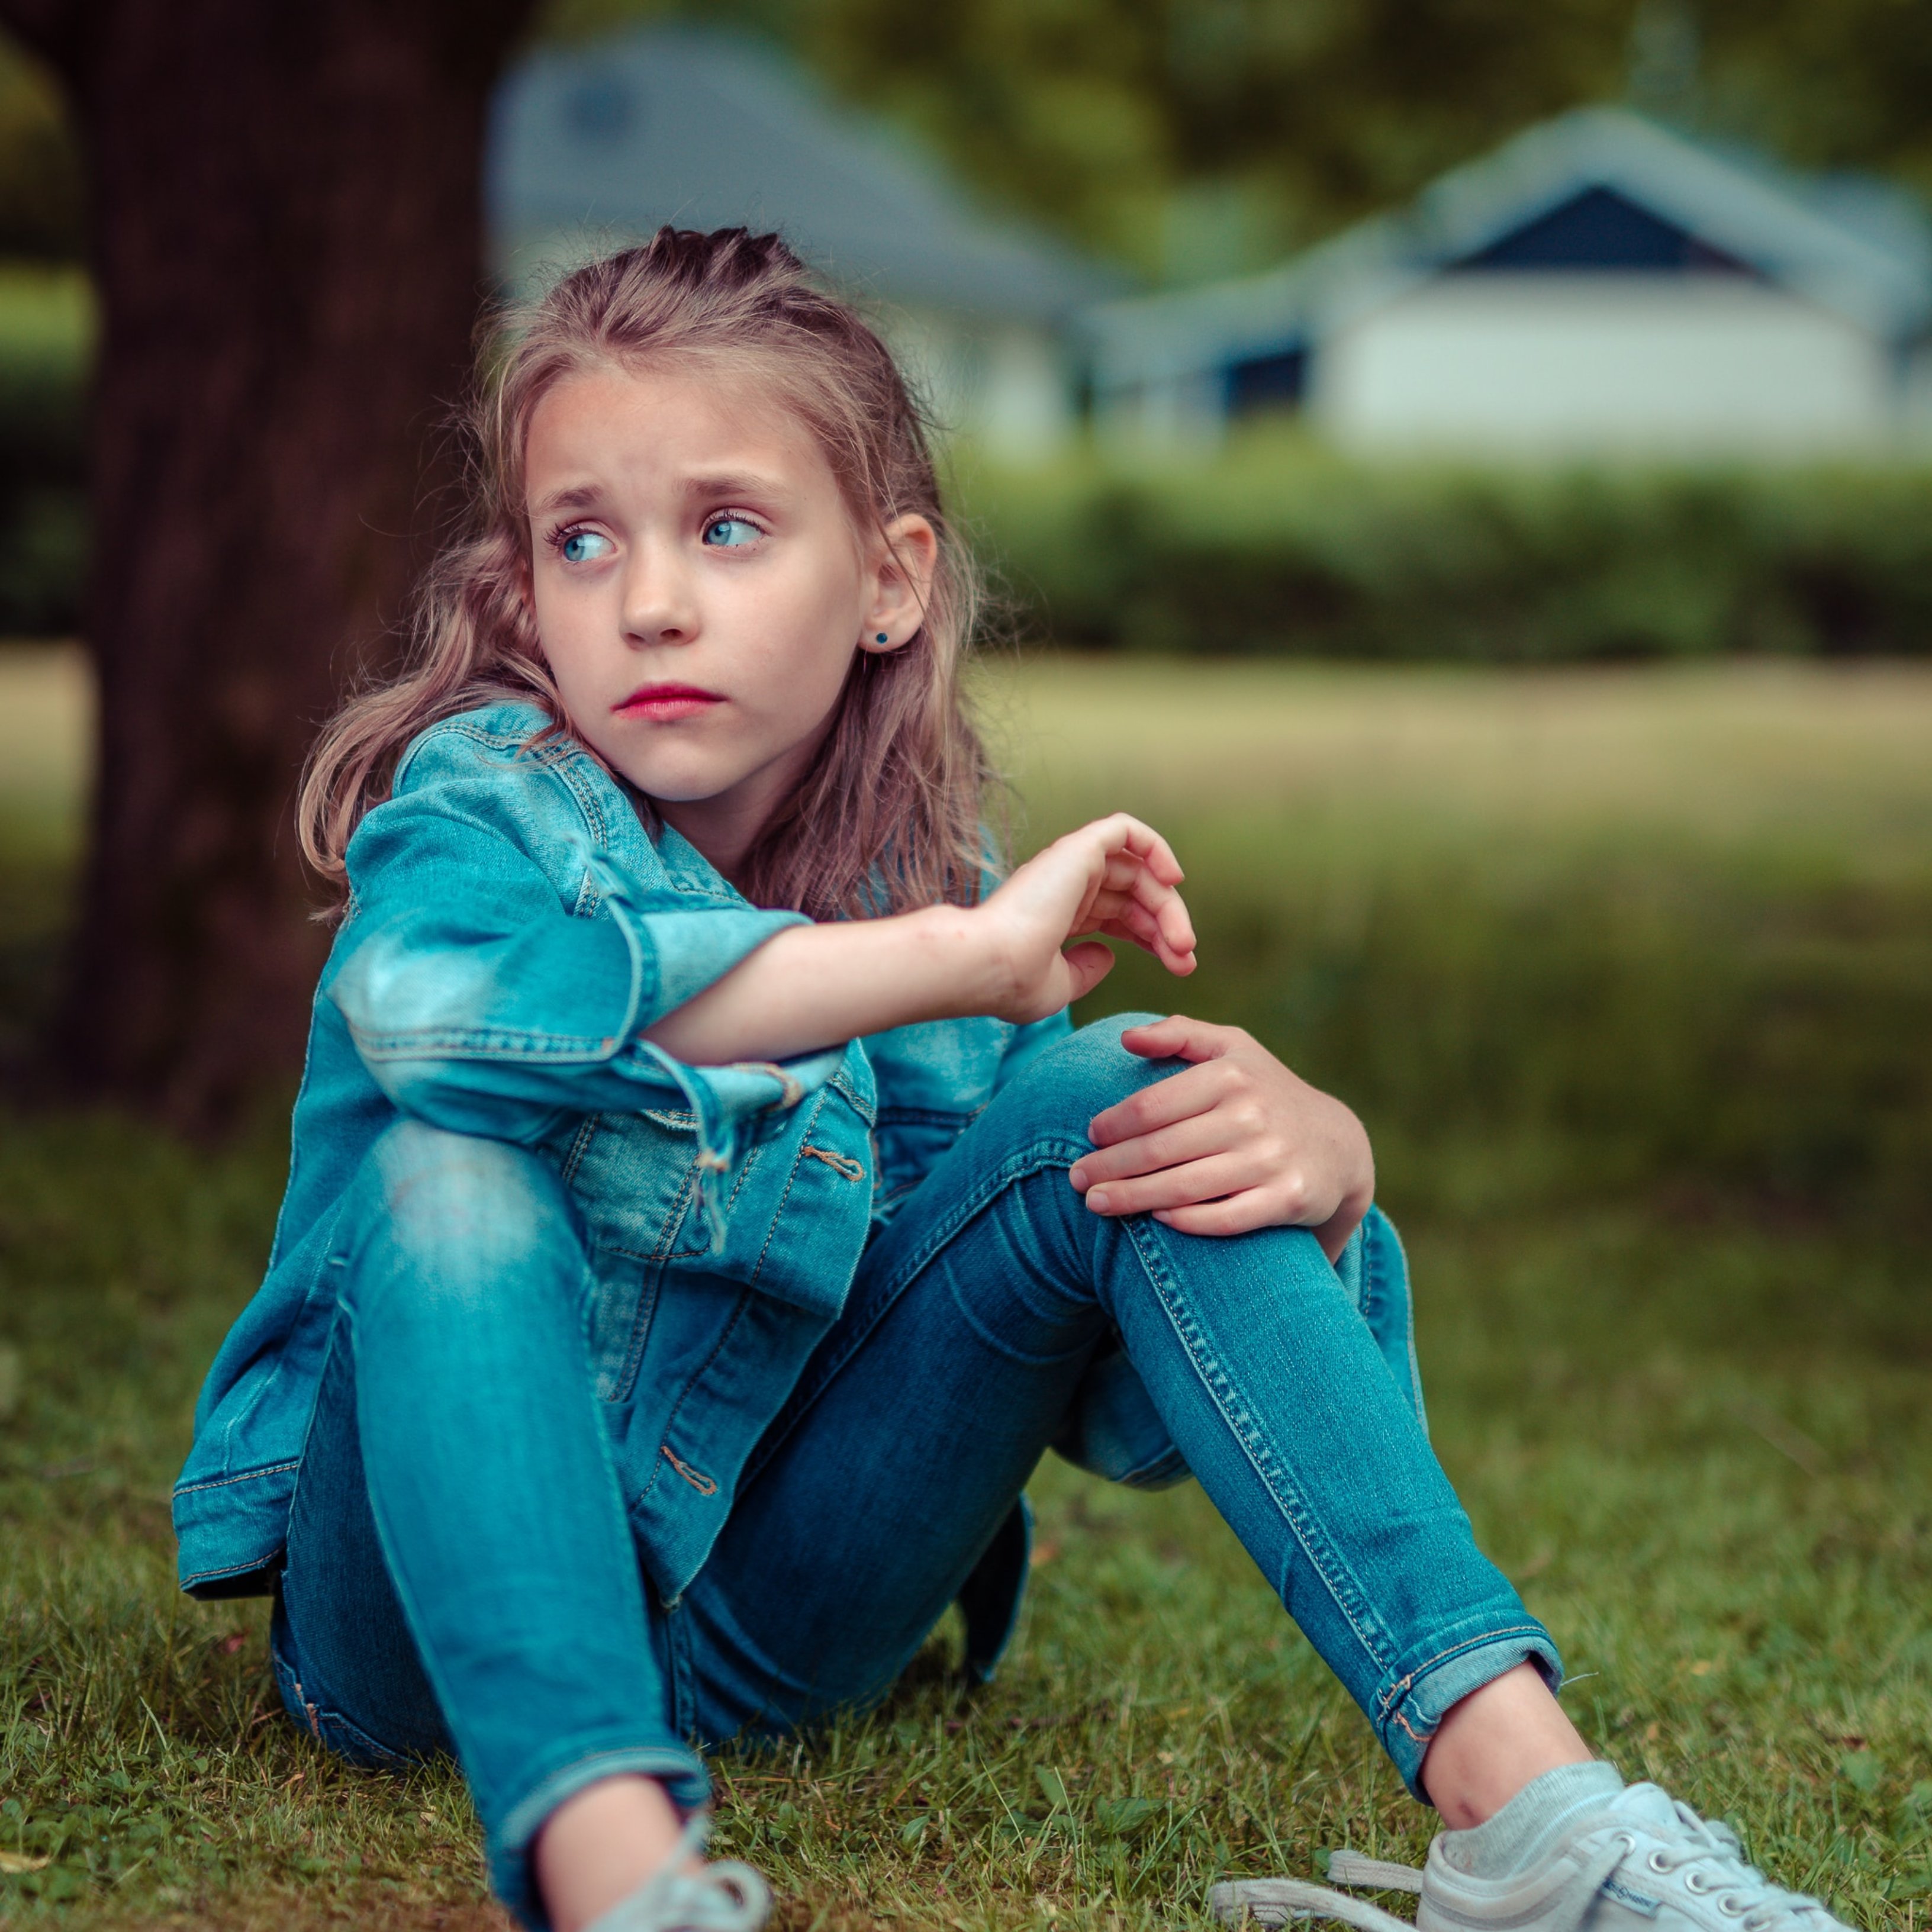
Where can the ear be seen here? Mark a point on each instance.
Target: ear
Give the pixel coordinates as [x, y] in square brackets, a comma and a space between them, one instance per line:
[904, 559]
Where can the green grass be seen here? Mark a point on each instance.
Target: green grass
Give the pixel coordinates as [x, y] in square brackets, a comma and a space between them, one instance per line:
[1633, 977]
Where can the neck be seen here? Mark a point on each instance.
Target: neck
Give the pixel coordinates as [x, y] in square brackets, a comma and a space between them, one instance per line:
[725, 838]
[726, 826]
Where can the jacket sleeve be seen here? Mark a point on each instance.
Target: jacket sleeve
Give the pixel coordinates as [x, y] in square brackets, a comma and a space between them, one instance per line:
[484, 999]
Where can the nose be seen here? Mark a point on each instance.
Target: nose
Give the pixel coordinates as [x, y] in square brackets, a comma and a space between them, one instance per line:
[660, 606]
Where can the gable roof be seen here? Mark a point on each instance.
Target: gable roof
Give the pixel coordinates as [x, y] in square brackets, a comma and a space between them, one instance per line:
[674, 123]
[1858, 248]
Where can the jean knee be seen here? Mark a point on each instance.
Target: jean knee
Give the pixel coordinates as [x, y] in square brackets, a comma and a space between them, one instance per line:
[456, 1220]
[1086, 1073]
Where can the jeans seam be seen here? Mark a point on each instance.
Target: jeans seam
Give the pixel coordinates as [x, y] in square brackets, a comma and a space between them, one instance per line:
[1350, 1602]
[580, 1145]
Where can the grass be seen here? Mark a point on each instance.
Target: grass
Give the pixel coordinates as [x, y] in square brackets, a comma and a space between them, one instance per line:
[1632, 973]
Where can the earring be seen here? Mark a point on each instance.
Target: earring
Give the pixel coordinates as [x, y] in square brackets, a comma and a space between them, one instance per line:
[881, 638]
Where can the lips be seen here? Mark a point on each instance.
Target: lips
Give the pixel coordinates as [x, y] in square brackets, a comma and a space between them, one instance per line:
[664, 703]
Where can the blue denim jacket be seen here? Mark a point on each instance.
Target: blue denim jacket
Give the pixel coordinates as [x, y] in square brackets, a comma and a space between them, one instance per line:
[513, 930]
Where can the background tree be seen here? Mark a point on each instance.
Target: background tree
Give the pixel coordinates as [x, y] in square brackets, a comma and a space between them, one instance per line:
[284, 226]
[1201, 137]
[282, 216]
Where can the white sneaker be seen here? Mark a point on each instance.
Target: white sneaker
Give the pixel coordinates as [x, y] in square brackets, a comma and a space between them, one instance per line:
[1644, 1863]
[725, 1895]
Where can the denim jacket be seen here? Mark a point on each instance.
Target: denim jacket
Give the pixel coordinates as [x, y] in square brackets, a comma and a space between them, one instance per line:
[513, 930]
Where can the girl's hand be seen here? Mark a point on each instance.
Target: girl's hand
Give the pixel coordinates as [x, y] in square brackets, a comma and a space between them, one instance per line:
[1116, 876]
[1235, 1142]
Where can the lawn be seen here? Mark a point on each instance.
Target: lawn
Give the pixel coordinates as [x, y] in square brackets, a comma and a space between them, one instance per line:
[1631, 974]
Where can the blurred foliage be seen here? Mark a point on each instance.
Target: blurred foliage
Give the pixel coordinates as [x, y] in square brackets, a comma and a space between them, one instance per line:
[1198, 137]
[46, 327]
[1276, 546]
[41, 191]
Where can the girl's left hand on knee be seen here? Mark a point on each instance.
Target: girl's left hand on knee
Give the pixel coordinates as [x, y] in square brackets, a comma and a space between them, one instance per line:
[1236, 1142]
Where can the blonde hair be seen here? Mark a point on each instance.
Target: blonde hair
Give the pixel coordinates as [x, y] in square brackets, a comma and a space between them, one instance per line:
[888, 817]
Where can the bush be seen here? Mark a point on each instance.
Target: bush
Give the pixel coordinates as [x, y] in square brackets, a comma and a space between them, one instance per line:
[1276, 548]
[45, 331]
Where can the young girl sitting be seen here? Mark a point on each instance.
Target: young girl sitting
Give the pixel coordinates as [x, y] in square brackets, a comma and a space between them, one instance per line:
[702, 1216]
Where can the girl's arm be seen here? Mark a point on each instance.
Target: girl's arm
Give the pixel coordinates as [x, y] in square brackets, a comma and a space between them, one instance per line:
[813, 986]
[1235, 1141]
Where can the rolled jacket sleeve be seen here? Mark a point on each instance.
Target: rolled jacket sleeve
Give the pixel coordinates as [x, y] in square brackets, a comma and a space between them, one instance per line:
[487, 997]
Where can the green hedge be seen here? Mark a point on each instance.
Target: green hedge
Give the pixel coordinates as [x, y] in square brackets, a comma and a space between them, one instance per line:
[1273, 546]
[1277, 548]
[45, 326]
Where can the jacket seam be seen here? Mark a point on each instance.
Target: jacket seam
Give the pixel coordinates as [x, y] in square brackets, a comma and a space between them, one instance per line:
[791, 1180]
[227, 1482]
[698, 1375]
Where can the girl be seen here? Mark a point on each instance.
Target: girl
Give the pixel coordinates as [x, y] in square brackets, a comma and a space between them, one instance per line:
[701, 1216]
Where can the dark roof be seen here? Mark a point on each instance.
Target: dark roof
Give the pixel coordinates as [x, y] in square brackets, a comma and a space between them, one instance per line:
[1599, 188]
[614, 137]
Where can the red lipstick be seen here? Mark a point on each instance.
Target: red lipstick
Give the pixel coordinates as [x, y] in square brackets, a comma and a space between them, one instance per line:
[664, 703]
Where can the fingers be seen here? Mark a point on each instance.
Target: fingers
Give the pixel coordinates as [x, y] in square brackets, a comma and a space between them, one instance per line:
[1193, 1139]
[1138, 866]
[1153, 916]
[1159, 1105]
[1177, 1037]
[1121, 831]
[1238, 1214]
[1191, 1182]
[1171, 942]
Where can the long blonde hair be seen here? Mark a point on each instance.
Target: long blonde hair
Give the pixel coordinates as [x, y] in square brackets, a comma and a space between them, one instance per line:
[888, 817]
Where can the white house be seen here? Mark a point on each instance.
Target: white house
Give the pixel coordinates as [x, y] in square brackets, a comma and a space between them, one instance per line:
[595, 145]
[1600, 284]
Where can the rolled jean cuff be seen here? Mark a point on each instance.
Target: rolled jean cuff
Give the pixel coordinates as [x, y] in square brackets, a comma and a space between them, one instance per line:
[681, 1772]
[1412, 1710]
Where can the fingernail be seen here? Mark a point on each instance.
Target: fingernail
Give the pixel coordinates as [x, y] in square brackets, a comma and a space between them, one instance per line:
[1079, 1177]
[1097, 1200]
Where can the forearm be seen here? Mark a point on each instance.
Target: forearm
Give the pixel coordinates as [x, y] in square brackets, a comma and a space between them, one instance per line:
[814, 986]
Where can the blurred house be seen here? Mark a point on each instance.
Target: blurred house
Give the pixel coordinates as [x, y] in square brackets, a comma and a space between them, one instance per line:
[1599, 283]
[596, 145]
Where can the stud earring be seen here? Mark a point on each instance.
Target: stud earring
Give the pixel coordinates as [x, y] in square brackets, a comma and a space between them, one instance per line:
[881, 638]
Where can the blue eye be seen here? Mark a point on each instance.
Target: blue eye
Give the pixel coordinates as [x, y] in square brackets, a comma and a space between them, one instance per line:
[584, 546]
[731, 533]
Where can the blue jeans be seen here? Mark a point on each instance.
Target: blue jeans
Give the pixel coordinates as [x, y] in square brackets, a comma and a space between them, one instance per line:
[459, 1574]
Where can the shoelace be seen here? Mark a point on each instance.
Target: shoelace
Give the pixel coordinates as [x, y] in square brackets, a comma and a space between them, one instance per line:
[1274, 1901]
[1741, 1891]
[1738, 1889]
[726, 1895]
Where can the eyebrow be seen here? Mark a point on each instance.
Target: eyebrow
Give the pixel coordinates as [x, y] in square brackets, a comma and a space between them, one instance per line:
[585, 496]
[736, 483]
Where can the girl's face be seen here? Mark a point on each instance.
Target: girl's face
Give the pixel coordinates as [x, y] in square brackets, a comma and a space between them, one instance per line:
[700, 589]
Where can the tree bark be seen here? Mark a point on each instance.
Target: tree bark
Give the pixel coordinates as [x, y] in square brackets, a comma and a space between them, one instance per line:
[287, 231]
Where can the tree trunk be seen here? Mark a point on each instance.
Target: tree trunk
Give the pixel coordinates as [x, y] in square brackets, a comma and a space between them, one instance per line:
[287, 231]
